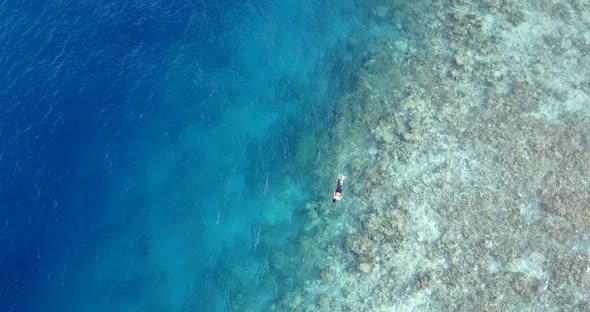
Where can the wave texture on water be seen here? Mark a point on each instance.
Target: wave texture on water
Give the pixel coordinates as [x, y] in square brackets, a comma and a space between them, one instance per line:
[158, 156]
[163, 156]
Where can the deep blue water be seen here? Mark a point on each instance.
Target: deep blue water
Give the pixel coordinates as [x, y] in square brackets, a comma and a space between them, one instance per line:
[147, 149]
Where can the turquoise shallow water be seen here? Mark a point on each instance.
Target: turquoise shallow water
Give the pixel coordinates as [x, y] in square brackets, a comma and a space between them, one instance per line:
[154, 150]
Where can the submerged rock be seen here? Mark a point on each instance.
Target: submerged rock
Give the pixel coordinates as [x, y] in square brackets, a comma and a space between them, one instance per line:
[364, 267]
[360, 245]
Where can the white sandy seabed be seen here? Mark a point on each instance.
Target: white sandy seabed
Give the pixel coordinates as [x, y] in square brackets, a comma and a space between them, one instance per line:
[467, 145]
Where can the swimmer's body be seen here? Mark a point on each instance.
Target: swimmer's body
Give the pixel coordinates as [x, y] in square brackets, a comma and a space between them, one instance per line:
[338, 194]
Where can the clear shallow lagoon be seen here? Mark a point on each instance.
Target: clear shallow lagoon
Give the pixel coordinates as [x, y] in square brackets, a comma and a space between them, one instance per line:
[149, 149]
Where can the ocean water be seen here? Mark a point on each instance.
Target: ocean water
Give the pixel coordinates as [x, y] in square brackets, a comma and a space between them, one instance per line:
[154, 154]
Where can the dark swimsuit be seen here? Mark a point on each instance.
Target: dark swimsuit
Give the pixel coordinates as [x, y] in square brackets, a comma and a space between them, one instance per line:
[339, 187]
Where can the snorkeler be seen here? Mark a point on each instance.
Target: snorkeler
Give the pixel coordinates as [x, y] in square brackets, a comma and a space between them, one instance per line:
[338, 191]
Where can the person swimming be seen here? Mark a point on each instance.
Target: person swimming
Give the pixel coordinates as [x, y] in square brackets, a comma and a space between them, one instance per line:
[338, 194]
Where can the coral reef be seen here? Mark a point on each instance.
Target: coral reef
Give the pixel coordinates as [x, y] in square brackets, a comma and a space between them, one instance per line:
[467, 143]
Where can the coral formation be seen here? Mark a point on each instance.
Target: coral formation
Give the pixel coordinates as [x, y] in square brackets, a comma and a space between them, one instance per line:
[468, 150]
